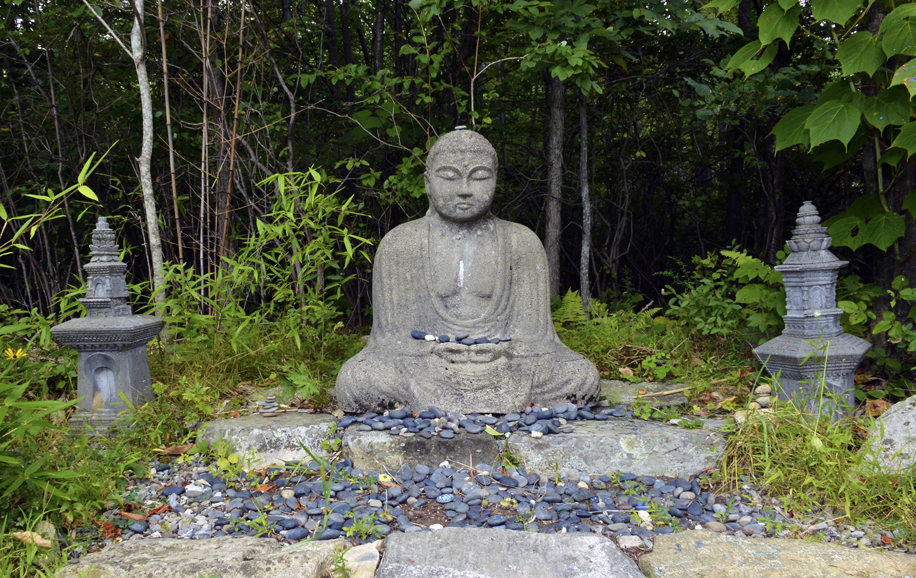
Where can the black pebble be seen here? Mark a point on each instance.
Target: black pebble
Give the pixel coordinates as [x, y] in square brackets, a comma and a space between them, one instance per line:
[443, 339]
[418, 334]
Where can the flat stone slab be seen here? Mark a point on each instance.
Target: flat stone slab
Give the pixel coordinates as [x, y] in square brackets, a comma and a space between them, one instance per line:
[627, 392]
[893, 440]
[626, 445]
[272, 440]
[379, 450]
[701, 553]
[477, 553]
[226, 557]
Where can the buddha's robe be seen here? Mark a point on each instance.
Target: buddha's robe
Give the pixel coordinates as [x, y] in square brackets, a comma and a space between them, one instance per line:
[410, 292]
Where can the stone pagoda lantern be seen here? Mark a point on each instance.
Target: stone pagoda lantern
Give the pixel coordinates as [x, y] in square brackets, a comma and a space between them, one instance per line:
[111, 341]
[813, 359]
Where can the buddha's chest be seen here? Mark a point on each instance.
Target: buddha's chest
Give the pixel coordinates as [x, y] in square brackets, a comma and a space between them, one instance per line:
[464, 272]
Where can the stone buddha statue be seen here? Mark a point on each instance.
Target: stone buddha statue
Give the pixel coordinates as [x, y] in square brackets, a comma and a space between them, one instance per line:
[461, 305]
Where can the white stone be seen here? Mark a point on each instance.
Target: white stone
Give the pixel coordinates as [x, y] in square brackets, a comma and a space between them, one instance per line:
[630, 542]
[892, 442]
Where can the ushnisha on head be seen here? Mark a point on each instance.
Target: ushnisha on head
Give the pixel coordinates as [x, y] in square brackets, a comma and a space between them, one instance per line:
[461, 176]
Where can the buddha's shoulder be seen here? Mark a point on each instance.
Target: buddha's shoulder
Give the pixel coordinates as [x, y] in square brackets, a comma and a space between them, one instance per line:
[404, 235]
[520, 235]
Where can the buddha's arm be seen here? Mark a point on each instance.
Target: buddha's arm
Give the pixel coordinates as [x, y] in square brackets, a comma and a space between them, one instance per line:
[529, 324]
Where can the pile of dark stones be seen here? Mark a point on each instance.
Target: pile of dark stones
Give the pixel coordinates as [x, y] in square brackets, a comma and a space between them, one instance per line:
[190, 500]
[462, 338]
[436, 422]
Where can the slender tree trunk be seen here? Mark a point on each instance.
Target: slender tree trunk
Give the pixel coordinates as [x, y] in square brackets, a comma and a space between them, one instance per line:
[168, 127]
[378, 36]
[585, 290]
[556, 104]
[347, 43]
[138, 50]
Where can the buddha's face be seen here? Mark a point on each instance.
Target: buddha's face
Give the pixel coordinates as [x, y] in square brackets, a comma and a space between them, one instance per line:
[461, 186]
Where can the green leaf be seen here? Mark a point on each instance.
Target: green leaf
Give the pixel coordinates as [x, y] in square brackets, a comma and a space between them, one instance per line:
[860, 53]
[843, 232]
[790, 130]
[833, 120]
[890, 106]
[787, 4]
[833, 153]
[906, 139]
[87, 192]
[3, 215]
[722, 5]
[906, 75]
[743, 55]
[882, 231]
[900, 13]
[752, 67]
[909, 203]
[839, 11]
[775, 23]
[900, 38]
[892, 157]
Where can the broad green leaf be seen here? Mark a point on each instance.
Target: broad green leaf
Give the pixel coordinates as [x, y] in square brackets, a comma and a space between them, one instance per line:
[900, 13]
[909, 203]
[900, 38]
[860, 53]
[841, 90]
[3, 215]
[787, 4]
[865, 207]
[906, 139]
[842, 231]
[891, 106]
[775, 23]
[752, 67]
[743, 55]
[839, 11]
[906, 75]
[892, 157]
[882, 231]
[87, 192]
[790, 130]
[833, 120]
[833, 153]
[722, 5]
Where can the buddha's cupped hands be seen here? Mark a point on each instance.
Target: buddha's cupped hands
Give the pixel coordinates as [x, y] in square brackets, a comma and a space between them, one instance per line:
[479, 353]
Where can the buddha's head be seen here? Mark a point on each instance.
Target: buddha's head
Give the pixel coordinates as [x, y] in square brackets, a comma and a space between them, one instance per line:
[461, 176]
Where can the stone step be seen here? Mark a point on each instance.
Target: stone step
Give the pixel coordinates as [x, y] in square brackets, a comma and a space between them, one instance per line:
[225, 557]
[272, 440]
[703, 553]
[477, 553]
[593, 447]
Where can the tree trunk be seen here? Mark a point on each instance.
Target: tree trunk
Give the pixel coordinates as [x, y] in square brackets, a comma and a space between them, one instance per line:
[347, 43]
[584, 284]
[378, 37]
[138, 50]
[556, 104]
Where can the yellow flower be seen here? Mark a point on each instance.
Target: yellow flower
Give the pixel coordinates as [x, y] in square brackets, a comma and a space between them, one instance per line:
[11, 354]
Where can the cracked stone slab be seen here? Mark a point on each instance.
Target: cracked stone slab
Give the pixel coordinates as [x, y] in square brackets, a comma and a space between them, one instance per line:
[627, 392]
[696, 553]
[479, 553]
[641, 447]
[379, 450]
[226, 557]
[272, 440]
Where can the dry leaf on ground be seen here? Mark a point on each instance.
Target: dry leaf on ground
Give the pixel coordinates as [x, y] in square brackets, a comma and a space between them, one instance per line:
[626, 371]
[159, 509]
[175, 450]
[134, 517]
[32, 538]
[877, 407]
[108, 530]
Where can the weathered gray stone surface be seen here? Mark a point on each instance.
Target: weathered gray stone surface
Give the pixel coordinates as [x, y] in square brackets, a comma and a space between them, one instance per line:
[813, 360]
[640, 447]
[893, 440]
[476, 553]
[226, 557]
[111, 341]
[704, 554]
[272, 439]
[461, 270]
[627, 392]
[379, 450]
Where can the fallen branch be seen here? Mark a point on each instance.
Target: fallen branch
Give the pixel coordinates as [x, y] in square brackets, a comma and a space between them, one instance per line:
[669, 392]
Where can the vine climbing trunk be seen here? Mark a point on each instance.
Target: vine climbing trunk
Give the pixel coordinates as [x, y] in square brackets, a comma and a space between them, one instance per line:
[557, 104]
[138, 52]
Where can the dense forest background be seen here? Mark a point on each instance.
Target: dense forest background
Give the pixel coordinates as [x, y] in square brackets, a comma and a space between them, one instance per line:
[632, 138]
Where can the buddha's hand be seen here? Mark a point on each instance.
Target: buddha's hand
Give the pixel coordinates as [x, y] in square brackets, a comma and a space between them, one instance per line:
[480, 353]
